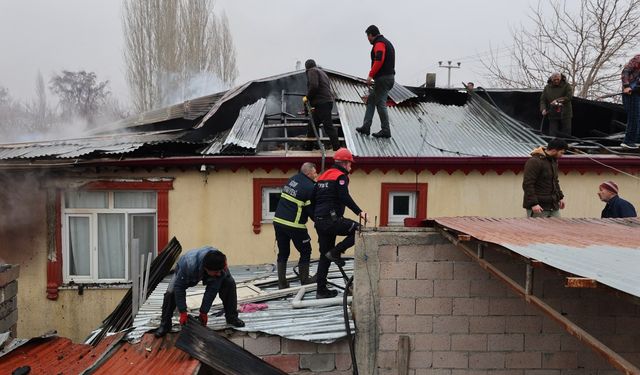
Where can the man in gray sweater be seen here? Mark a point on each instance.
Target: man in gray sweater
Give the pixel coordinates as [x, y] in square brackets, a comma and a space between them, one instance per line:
[321, 101]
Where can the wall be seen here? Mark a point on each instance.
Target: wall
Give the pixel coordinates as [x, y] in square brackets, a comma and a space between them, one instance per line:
[459, 320]
[9, 299]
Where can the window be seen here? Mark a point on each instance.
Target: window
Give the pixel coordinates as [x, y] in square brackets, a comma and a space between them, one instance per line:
[270, 199]
[266, 194]
[100, 229]
[399, 201]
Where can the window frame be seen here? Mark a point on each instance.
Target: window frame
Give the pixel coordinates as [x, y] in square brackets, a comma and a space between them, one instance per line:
[259, 184]
[267, 215]
[413, 207]
[420, 189]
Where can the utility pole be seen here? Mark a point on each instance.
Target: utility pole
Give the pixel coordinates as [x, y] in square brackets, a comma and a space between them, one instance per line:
[449, 67]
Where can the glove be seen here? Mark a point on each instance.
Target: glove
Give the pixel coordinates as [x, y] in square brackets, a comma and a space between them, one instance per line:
[204, 318]
[305, 100]
[183, 318]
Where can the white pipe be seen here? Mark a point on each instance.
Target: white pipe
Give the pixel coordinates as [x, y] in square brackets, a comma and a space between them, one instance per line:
[299, 303]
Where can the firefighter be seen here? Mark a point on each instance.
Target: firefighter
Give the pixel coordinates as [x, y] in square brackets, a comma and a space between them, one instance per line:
[330, 199]
[209, 265]
[290, 221]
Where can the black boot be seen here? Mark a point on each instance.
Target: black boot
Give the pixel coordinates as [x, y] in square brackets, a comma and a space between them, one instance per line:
[303, 273]
[334, 255]
[282, 275]
[326, 293]
[168, 306]
[363, 130]
[382, 134]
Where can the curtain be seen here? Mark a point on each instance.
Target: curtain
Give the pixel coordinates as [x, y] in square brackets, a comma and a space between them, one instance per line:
[85, 199]
[134, 199]
[111, 246]
[79, 246]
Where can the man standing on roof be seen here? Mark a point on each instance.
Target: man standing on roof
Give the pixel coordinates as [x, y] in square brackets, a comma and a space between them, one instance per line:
[331, 198]
[383, 61]
[555, 103]
[615, 207]
[320, 99]
[209, 265]
[542, 194]
[631, 101]
[289, 222]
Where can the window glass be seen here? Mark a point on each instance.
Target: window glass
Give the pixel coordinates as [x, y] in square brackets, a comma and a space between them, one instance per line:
[270, 199]
[143, 230]
[111, 246]
[79, 246]
[401, 205]
[134, 199]
[85, 199]
[274, 198]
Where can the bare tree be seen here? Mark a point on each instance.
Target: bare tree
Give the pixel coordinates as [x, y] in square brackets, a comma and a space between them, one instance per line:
[80, 94]
[169, 45]
[587, 44]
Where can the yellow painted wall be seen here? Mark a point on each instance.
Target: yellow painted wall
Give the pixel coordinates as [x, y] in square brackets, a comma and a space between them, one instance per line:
[220, 213]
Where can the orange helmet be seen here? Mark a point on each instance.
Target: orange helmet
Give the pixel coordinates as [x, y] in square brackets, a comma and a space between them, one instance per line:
[343, 154]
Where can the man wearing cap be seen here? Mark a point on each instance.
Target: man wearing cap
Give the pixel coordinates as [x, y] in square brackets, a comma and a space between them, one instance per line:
[330, 198]
[615, 207]
[320, 99]
[209, 265]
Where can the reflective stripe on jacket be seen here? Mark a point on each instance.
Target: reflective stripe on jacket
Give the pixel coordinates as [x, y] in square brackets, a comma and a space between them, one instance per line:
[295, 206]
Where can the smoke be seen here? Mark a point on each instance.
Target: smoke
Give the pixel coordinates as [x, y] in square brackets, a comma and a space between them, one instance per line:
[196, 84]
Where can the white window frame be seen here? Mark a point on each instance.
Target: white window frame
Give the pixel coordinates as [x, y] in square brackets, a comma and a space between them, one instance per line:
[413, 206]
[93, 213]
[267, 216]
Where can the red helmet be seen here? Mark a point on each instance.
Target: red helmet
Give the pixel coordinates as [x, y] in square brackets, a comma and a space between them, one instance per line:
[344, 154]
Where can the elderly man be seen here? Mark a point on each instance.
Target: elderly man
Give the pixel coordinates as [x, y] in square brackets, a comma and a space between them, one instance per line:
[542, 194]
[631, 101]
[615, 206]
[555, 103]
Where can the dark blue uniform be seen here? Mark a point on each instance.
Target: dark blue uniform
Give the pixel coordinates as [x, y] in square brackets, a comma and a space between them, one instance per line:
[617, 207]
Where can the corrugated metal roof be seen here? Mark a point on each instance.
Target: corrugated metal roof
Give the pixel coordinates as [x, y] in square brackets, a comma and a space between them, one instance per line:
[432, 130]
[607, 250]
[246, 130]
[352, 89]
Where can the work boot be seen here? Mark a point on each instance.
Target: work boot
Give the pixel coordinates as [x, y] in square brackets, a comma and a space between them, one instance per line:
[235, 321]
[303, 273]
[326, 293]
[334, 255]
[362, 130]
[168, 306]
[282, 275]
[382, 134]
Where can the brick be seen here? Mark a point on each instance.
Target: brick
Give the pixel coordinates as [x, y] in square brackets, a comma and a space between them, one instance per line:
[487, 324]
[435, 271]
[9, 275]
[569, 343]
[340, 346]
[449, 252]
[505, 372]
[7, 323]
[487, 360]
[388, 341]
[8, 291]
[415, 288]
[560, 360]
[397, 306]
[8, 306]
[298, 346]
[387, 359]
[528, 360]
[542, 342]
[420, 359]
[506, 342]
[287, 363]
[414, 324]
[451, 359]
[471, 306]
[551, 326]
[343, 362]
[524, 324]
[469, 271]
[601, 325]
[473, 342]
[590, 360]
[387, 288]
[507, 306]
[318, 362]
[263, 345]
[469, 372]
[390, 270]
[440, 371]
[626, 324]
[450, 324]
[415, 253]
[488, 288]
[542, 372]
[431, 342]
[387, 323]
[434, 306]
[451, 288]
[388, 253]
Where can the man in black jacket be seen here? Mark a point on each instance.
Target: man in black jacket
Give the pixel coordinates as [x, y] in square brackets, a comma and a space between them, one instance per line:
[542, 194]
[615, 207]
[290, 220]
[330, 199]
[321, 100]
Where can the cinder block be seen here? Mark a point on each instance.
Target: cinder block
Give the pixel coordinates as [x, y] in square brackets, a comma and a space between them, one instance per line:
[415, 288]
[388, 341]
[298, 346]
[343, 362]
[8, 306]
[505, 372]
[387, 359]
[416, 253]
[487, 324]
[542, 342]
[401, 270]
[551, 326]
[388, 253]
[471, 306]
[549, 372]
[414, 324]
[625, 324]
[469, 271]
[488, 288]
[569, 343]
[387, 288]
[560, 360]
[434, 306]
[263, 345]
[450, 359]
[387, 323]
[435, 270]
[528, 360]
[524, 324]
[589, 360]
[449, 252]
[473, 342]
[469, 372]
[431, 342]
[7, 323]
[288, 363]
[397, 306]
[420, 359]
[451, 288]
[340, 346]
[9, 275]
[318, 362]
[506, 342]
[487, 360]
[8, 291]
[450, 324]
[438, 371]
[507, 306]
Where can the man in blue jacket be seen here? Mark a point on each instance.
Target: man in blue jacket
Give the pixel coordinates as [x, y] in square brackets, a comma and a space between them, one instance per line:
[616, 207]
[209, 265]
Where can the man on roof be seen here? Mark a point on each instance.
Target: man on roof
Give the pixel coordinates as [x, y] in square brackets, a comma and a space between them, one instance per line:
[542, 194]
[555, 103]
[320, 99]
[615, 207]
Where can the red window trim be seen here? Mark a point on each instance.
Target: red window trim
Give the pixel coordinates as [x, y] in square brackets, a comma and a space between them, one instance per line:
[258, 185]
[387, 188]
[54, 264]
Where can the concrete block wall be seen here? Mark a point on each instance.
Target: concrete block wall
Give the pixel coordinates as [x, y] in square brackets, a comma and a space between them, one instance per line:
[462, 321]
[297, 357]
[9, 298]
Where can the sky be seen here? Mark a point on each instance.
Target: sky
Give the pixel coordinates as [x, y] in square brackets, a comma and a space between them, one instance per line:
[269, 36]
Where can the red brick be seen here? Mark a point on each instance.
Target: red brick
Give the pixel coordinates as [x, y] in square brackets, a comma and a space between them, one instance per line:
[343, 362]
[449, 252]
[451, 359]
[487, 324]
[420, 359]
[450, 324]
[469, 271]
[528, 360]
[298, 346]
[433, 306]
[560, 360]
[287, 363]
[414, 324]
[506, 342]
[415, 288]
[473, 342]
[397, 306]
[413, 253]
[435, 270]
[388, 253]
[387, 323]
[403, 270]
[471, 306]
[524, 324]
[387, 288]
[451, 288]
[542, 342]
[431, 342]
[507, 306]
[487, 360]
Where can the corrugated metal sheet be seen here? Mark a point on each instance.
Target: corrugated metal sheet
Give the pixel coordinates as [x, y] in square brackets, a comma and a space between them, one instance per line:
[432, 130]
[607, 250]
[351, 89]
[246, 130]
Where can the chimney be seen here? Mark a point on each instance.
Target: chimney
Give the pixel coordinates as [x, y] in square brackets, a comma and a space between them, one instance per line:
[430, 82]
[9, 298]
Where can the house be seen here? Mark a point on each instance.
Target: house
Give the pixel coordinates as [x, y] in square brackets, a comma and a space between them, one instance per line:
[76, 212]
